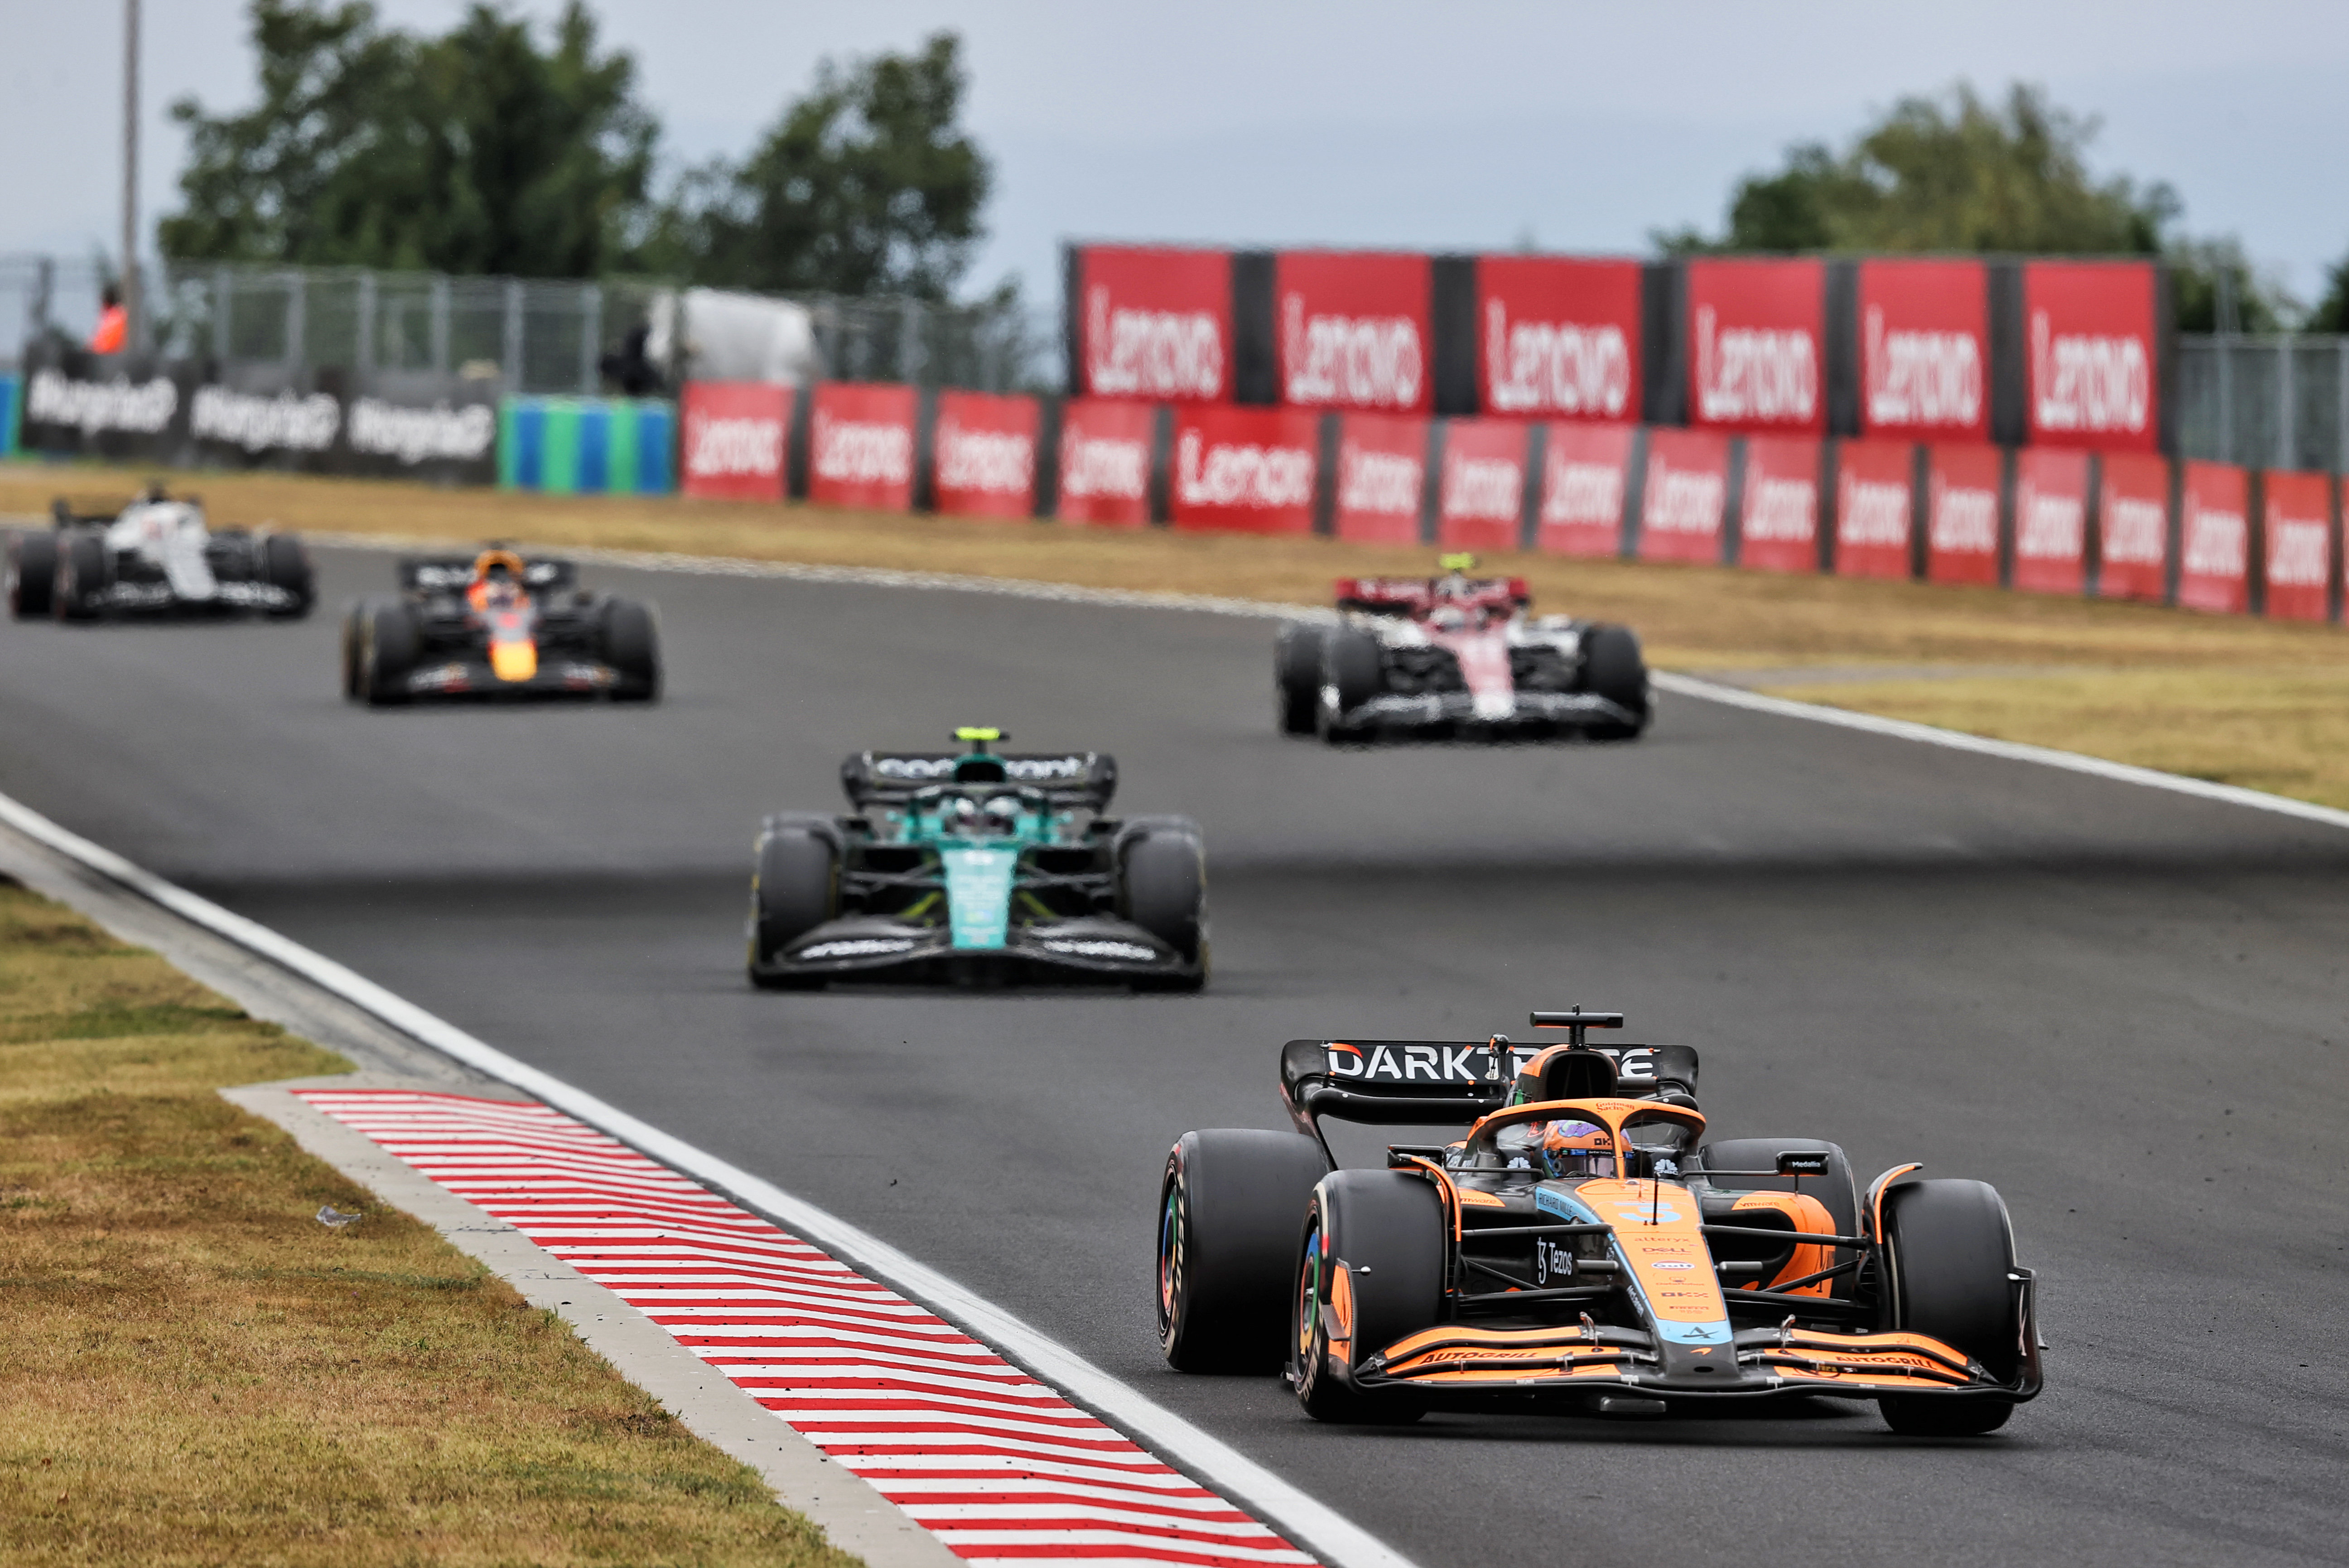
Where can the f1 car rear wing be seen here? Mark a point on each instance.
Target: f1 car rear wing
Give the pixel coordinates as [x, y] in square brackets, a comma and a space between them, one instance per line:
[1410, 595]
[1394, 1083]
[1085, 779]
[450, 574]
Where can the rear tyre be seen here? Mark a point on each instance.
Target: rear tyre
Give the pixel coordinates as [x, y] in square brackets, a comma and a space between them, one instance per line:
[284, 564]
[631, 645]
[1227, 1212]
[1948, 1249]
[389, 646]
[1369, 1269]
[32, 574]
[81, 577]
[794, 887]
[1163, 889]
[353, 633]
[1353, 670]
[1613, 668]
[1296, 676]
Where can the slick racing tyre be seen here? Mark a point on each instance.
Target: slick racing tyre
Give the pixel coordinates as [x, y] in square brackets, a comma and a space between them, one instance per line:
[32, 574]
[794, 887]
[354, 631]
[1613, 668]
[80, 577]
[1228, 1208]
[1369, 1269]
[1353, 670]
[284, 564]
[387, 648]
[1162, 886]
[630, 635]
[1947, 1251]
[1837, 1190]
[1296, 676]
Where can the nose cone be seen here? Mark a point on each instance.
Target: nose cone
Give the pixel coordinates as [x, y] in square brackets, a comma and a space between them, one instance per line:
[513, 660]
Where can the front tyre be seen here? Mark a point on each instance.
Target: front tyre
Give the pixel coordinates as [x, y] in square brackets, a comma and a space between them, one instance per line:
[389, 646]
[1227, 1211]
[77, 589]
[284, 564]
[1369, 1269]
[1296, 676]
[1614, 667]
[1162, 888]
[1353, 670]
[32, 574]
[630, 635]
[1949, 1255]
[794, 889]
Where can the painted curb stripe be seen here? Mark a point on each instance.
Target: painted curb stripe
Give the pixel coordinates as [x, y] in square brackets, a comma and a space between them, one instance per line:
[999, 1467]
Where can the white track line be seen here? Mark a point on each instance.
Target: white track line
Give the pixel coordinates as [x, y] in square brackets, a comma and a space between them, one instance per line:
[1320, 1528]
[1268, 609]
[2009, 751]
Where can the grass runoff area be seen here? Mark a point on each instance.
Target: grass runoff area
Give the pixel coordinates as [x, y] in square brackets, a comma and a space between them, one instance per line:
[194, 1370]
[2231, 699]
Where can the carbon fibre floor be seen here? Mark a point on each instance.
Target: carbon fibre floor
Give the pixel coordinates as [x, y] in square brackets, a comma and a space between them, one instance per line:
[2123, 1007]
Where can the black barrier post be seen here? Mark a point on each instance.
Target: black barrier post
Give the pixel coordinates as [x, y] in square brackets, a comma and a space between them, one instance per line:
[1072, 317]
[1536, 469]
[1431, 484]
[924, 497]
[1161, 455]
[2333, 575]
[2174, 533]
[1921, 508]
[1842, 348]
[1254, 376]
[1452, 321]
[1635, 494]
[1325, 474]
[2255, 552]
[1048, 457]
[1830, 501]
[2009, 380]
[1733, 505]
[2165, 358]
[2092, 530]
[797, 458]
[1663, 343]
[2006, 464]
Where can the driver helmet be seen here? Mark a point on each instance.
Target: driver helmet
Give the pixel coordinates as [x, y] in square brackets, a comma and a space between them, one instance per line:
[1578, 1148]
[1447, 617]
[1001, 817]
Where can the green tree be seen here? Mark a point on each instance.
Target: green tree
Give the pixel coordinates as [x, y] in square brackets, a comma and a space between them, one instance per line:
[2261, 304]
[2332, 312]
[867, 185]
[476, 151]
[1953, 172]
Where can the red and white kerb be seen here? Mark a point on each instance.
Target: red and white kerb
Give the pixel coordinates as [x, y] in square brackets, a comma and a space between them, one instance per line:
[996, 1465]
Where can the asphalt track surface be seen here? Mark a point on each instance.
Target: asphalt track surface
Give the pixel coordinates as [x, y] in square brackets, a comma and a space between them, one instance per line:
[2124, 1007]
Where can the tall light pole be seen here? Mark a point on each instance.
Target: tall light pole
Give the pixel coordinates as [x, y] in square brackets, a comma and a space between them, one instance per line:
[131, 172]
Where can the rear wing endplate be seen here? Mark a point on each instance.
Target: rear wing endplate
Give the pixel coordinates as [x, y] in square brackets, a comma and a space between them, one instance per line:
[1406, 1083]
[1067, 778]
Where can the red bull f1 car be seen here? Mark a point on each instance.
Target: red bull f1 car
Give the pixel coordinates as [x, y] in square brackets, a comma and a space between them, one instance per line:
[1456, 656]
[978, 866]
[154, 557]
[1584, 1246]
[498, 625]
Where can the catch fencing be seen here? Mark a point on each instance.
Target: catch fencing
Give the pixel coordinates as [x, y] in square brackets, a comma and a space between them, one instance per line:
[2278, 401]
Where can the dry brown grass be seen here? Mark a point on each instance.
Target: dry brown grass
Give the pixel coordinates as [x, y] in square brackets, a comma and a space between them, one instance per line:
[193, 1370]
[2114, 681]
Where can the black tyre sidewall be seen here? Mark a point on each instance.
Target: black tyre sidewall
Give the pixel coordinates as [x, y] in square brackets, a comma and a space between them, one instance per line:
[1614, 667]
[1385, 1229]
[284, 564]
[32, 574]
[388, 651]
[1949, 1248]
[631, 644]
[1230, 1204]
[794, 887]
[1296, 676]
[1162, 886]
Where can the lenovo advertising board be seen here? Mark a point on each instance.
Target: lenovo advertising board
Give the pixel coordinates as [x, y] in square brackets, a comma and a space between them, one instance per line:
[860, 446]
[2133, 527]
[983, 455]
[1153, 323]
[1755, 330]
[2090, 342]
[1382, 478]
[1961, 492]
[1584, 470]
[1350, 331]
[1875, 499]
[1105, 463]
[1558, 338]
[2214, 538]
[1778, 520]
[2051, 520]
[1481, 504]
[1683, 494]
[732, 438]
[1924, 349]
[1245, 470]
[2296, 510]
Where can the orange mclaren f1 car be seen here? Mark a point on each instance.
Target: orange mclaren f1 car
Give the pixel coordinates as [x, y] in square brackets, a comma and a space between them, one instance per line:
[1584, 1247]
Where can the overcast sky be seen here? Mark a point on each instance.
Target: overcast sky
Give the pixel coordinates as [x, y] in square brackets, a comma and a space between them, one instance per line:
[1458, 125]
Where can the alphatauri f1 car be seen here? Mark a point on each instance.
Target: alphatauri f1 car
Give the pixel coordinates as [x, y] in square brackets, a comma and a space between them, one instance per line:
[495, 625]
[1583, 1248]
[977, 867]
[1456, 656]
[155, 556]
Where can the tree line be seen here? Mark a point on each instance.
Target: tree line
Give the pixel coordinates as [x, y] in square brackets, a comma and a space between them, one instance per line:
[489, 149]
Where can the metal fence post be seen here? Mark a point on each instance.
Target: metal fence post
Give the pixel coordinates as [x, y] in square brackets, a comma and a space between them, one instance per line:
[2224, 343]
[37, 309]
[2284, 441]
[297, 318]
[514, 335]
[440, 327]
[591, 335]
[909, 345]
[224, 295]
[363, 350]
